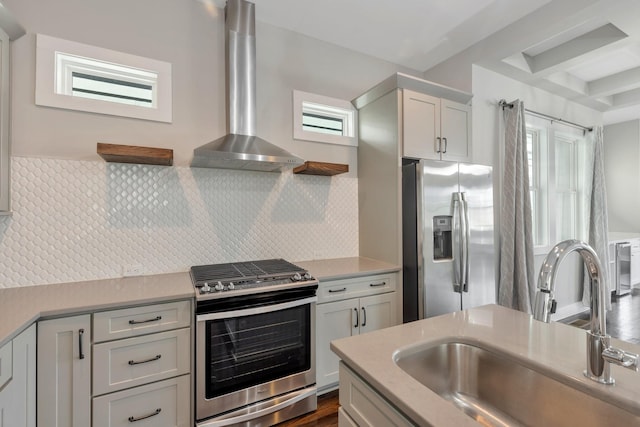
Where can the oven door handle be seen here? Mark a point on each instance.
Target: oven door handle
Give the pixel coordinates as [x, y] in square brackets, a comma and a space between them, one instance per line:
[255, 310]
[296, 397]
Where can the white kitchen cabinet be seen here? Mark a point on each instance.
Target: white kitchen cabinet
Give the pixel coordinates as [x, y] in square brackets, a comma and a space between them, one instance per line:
[114, 366]
[635, 263]
[135, 361]
[163, 404]
[362, 406]
[18, 381]
[350, 307]
[435, 128]
[141, 365]
[64, 372]
[10, 30]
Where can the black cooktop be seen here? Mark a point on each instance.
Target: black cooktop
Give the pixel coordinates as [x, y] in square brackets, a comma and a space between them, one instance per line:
[268, 269]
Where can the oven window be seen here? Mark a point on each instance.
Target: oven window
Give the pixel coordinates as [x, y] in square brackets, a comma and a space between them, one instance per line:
[250, 350]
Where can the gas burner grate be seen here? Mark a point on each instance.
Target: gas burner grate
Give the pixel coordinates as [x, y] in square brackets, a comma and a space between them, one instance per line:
[242, 271]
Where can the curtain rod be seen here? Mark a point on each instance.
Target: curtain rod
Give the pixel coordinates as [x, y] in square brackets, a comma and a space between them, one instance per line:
[505, 104]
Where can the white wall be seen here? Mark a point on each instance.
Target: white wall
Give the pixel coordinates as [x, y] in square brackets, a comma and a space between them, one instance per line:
[488, 88]
[622, 175]
[78, 218]
[191, 38]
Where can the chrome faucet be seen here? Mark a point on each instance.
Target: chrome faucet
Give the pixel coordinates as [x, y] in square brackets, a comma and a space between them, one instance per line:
[600, 354]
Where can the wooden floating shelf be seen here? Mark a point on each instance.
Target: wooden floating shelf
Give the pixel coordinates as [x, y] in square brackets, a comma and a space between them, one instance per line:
[134, 154]
[321, 168]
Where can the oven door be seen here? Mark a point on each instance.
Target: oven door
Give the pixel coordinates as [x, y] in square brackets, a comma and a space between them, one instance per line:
[250, 354]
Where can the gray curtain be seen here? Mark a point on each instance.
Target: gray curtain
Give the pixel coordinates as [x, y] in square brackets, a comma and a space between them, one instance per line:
[598, 217]
[516, 287]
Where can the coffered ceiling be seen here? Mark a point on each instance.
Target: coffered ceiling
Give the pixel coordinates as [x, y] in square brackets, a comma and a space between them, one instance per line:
[585, 50]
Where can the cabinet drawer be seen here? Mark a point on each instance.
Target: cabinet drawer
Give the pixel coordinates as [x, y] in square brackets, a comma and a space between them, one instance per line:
[130, 322]
[335, 290]
[165, 403]
[6, 363]
[135, 361]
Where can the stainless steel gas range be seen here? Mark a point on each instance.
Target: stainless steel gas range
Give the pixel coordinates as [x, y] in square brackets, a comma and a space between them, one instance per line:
[255, 343]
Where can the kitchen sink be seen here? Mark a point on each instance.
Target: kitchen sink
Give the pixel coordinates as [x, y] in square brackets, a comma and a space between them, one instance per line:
[496, 389]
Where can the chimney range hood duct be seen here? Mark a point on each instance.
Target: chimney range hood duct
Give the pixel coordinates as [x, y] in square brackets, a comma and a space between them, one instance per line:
[241, 148]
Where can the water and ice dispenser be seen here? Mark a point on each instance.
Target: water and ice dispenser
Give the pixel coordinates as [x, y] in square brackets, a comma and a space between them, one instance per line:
[442, 244]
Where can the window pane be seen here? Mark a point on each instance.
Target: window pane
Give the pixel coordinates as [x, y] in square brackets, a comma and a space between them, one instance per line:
[114, 90]
[530, 156]
[566, 215]
[322, 124]
[565, 166]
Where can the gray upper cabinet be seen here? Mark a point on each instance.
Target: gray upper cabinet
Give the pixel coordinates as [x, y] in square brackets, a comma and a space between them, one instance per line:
[9, 30]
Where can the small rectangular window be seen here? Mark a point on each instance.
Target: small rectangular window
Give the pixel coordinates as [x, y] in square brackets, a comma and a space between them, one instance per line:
[113, 90]
[322, 119]
[322, 124]
[88, 78]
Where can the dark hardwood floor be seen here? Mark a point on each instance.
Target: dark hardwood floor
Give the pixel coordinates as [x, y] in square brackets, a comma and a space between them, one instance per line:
[623, 321]
[325, 416]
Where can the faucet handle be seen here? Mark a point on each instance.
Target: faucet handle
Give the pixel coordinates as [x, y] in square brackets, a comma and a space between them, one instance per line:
[621, 358]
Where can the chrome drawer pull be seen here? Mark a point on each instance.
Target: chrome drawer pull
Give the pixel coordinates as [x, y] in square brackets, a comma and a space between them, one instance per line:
[153, 414]
[375, 285]
[331, 291]
[80, 351]
[137, 322]
[153, 359]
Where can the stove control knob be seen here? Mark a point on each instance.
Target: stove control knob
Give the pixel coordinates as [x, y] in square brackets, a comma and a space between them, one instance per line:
[296, 277]
[307, 276]
[231, 286]
[205, 288]
[219, 286]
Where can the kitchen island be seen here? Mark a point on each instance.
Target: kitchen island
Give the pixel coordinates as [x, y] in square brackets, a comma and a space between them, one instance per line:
[553, 349]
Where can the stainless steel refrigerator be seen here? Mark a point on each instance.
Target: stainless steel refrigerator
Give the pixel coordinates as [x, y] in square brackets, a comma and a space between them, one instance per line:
[447, 237]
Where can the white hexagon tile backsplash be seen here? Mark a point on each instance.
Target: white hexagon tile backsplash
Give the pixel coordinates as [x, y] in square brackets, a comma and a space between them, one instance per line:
[81, 220]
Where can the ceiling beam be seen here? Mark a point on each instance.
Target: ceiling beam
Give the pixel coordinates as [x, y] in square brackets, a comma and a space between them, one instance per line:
[576, 47]
[615, 83]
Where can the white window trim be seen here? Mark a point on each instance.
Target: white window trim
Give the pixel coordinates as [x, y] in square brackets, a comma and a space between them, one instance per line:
[318, 102]
[548, 131]
[46, 78]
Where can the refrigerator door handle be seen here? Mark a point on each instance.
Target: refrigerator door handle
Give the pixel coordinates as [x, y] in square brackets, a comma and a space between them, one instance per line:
[465, 237]
[457, 228]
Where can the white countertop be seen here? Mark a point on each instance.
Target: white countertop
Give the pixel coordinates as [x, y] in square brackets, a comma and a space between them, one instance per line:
[555, 346]
[21, 306]
[340, 268]
[617, 236]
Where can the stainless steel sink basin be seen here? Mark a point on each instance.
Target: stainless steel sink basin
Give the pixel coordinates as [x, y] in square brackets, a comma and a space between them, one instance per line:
[498, 390]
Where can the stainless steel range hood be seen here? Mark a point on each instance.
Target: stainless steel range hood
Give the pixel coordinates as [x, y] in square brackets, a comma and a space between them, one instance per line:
[241, 148]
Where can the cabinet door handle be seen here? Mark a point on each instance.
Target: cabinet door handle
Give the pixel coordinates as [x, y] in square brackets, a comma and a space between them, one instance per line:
[357, 318]
[438, 143]
[364, 317]
[137, 322]
[80, 350]
[445, 145]
[153, 359]
[332, 291]
[144, 417]
[375, 285]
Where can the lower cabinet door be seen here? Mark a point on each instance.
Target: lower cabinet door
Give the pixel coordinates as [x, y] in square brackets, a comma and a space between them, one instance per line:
[334, 320]
[162, 404]
[64, 372]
